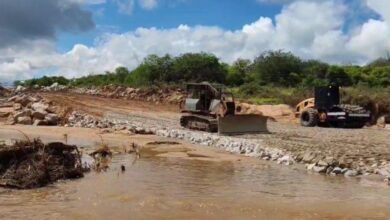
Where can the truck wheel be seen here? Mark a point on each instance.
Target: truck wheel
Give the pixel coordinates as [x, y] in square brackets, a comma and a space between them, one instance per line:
[309, 118]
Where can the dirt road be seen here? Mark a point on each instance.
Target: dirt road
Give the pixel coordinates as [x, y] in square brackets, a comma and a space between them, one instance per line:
[368, 147]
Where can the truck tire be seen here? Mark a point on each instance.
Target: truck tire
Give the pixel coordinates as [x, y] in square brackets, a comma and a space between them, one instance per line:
[309, 118]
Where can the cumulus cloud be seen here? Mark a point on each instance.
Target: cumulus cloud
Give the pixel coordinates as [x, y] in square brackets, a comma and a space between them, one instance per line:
[22, 20]
[310, 29]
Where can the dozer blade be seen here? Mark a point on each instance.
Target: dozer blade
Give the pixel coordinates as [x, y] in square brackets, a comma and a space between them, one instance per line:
[242, 124]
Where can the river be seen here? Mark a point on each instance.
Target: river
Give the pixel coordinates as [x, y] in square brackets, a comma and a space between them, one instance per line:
[175, 188]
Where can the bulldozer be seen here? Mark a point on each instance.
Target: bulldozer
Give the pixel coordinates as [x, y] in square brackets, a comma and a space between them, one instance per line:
[325, 110]
[209, 107]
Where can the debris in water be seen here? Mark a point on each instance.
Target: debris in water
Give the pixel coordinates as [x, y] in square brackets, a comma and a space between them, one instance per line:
[102, 158]
[27, 165]
[102, 152]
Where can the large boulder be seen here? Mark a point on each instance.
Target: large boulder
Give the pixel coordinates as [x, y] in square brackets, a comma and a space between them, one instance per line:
[39, 106]
[39, 114]
[52, 119]
[24, 120]
[38, 122]
[24, 113]
[23, 100]
[20, 89]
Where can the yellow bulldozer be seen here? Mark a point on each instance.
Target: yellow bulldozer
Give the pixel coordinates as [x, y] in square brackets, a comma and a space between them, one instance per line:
[209, 107]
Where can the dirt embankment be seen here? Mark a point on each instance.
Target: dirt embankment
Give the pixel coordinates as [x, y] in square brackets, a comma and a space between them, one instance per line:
[172, 97]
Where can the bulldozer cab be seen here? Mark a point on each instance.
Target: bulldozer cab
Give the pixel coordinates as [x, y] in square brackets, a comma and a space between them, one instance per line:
[202, 97]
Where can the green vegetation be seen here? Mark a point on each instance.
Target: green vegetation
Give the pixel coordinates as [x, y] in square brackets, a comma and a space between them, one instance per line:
[273, 77]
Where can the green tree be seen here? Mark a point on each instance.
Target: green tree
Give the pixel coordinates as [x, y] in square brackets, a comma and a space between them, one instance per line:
[336, 75]
[277, 67]
[197, 67]
[238, 72]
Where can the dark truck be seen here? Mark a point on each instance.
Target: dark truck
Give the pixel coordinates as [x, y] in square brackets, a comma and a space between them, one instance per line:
[325, 109]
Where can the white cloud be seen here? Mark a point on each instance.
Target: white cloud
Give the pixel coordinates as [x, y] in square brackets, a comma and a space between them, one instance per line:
[125, 6]
[310, 29]
[148, 4]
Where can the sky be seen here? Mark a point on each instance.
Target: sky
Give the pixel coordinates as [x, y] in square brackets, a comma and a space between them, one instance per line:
[75, 38]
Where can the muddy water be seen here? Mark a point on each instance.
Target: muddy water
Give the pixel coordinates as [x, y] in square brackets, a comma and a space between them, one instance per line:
[173, 188]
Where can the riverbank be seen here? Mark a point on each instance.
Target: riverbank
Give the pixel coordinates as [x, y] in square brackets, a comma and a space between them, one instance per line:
[348, 152]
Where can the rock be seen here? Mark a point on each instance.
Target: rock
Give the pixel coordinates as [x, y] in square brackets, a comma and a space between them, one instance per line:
[54, 85]
[351, 173]
[25, 113]
[310, 166]
[11, 120]
[38, 122]
[33, 99]
[308, 157]
[337, 170]
[319, 169]
[287, 160]
[40, 114]
[4, 114]
[26, 120]
[13, 98]
[23, 100]
[20, 88]
[52, 119]
[331, 161]
[329, 170]
[322, 163]
[383, 172]
[381, 122]
[38, 106]
[17, 106]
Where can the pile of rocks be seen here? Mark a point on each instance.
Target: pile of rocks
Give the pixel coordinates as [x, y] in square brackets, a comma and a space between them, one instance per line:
[319, 163]
[82, 120]
[168, 95]
[20, 89]
[31, 110]
[55, 87]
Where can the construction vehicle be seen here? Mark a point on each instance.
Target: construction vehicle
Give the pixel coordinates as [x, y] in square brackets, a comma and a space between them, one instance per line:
[211, 108]
[325, 110]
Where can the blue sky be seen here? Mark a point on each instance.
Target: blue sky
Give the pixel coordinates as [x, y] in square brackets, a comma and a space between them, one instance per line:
[229, 15]
[79, 37]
